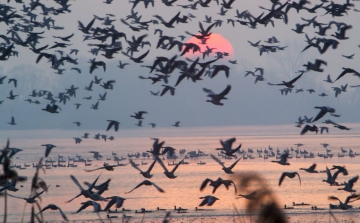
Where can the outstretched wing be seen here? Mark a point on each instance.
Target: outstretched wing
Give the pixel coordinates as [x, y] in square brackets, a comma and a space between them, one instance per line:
[158, 188]
[204, 183]
[217, 160]
[283, 175]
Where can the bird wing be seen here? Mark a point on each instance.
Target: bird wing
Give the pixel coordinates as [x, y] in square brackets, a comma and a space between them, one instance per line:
[143, 56]
[320, 114]
[351, 197]
[134, 165]
[312, 167]
[204, 201]
[95, 169]
[340, 75]
[119, 202]
[353, 180]
[76, 182]
[16, 196]
[177, 165]
[151, 166]
[139, 185]
[204, 183]
[296, 78]
[63, 214]
[161, 163]
[93, 184]
[217, 160]
[305, 129]
[208, 91]
[299, 177]
[158, 188]
[232, 165]
[110, 203]
[226, 90]
[83, 206]
[73, 198]
[283, 175]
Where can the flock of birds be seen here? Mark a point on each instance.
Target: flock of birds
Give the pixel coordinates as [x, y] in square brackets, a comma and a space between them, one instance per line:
[26, 32]
[94, 191]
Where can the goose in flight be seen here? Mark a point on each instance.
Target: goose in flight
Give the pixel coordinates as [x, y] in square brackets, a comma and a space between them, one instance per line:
[177, 124]
[51, 108]
[290, 175]
[216, 98]
[95, 64]
[328, 79]
[166, 89]
[346, 71]
[13, 80]
[208, 200]
[331, 179]
[12, 122]
[349, 185]
[105, 166]
[168, 174]
[323, 111]
[227, 170]
[139, 124]
[283, 159]
[139, 115]
[204, 33]
[113, 123]
[310, 128]
[345, 206]
[156, 147]
[251, 196]
[289, 84]
[315, 66]
[97, 207]
[311, 169]
[122, 65]
[118, 201]
[349, 57]
[53, 207]
[86, 193]
[226, 147]
[138, 59]
[171, 22]
[168, 149]
[145, 174]
[31, 199]
[217, 183]
[48, 148]
[147, 183]
[86, 29]
[12, 96]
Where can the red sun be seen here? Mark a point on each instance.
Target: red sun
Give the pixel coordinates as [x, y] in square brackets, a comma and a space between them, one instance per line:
[214, 43]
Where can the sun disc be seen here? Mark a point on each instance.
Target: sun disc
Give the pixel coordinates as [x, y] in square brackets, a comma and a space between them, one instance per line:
[214, 43]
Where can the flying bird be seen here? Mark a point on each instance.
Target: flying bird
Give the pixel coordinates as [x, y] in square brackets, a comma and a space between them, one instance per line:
[113, 123]
[48, 149]
[208, 200]
[216, 98]
[323, 111]
[217, 183]
[53, 207]
[290, 175]
[147, 183]
[289, 84]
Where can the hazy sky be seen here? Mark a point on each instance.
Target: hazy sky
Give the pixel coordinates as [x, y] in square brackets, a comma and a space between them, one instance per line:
[247, 103]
